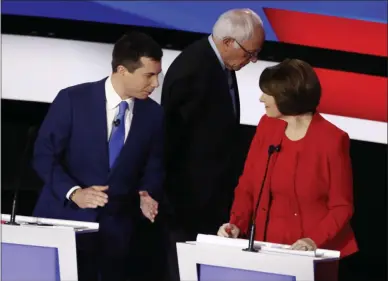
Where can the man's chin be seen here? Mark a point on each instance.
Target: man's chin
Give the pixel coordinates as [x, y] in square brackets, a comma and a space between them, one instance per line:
[143, 95]
[237, 67]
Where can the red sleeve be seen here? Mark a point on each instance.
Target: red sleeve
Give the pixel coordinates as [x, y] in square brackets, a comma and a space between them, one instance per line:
[340, 200]
[242, 204]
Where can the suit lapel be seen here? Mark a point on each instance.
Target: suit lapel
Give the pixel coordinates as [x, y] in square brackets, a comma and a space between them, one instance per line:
[98, 128]
[220, 75]
[225, 95]
[266, 200]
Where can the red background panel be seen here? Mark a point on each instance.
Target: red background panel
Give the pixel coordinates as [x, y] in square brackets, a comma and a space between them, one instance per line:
[329, 32]
[353, 95]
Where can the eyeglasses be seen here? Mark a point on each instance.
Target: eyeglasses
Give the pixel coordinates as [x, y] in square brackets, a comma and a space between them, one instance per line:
[251, 54]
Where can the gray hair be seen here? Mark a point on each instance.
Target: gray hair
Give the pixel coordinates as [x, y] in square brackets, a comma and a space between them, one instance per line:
[237, 23]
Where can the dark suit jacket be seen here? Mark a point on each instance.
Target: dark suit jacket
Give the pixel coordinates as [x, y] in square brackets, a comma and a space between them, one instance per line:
[319, 205]
[72, 149]
[201, 136]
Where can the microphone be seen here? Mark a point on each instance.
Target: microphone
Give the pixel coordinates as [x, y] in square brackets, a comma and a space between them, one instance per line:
[271, 150]
[117, 122]
[20, 176]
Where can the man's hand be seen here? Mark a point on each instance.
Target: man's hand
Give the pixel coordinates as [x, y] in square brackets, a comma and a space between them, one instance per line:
[91, 197]
[148, 206]
[305, 244]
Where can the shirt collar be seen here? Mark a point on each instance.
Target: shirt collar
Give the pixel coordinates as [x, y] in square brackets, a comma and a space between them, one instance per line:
[112, 97]
[214, 47]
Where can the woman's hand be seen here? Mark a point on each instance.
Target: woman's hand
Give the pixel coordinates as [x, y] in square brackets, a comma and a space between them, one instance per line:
[228, 230]
[305, 244]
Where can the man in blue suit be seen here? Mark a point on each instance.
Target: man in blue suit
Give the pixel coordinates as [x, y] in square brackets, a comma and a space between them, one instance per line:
[99, 152]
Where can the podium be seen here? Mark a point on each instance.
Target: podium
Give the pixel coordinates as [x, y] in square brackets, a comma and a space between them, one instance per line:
[40, 249]
[213, 258]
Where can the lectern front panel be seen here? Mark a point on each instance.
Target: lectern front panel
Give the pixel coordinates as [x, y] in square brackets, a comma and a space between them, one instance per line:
[219, 273]
[25, 263]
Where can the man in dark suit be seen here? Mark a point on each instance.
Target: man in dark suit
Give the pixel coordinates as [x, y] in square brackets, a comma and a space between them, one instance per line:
[99, 152]
[202, 111]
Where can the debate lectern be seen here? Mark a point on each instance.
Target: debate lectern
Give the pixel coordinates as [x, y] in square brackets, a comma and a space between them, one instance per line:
[40, 249]
[213, 258]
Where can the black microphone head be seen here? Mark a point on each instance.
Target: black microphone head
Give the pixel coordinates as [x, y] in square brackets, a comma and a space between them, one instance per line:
[116, 122]
[271, 149]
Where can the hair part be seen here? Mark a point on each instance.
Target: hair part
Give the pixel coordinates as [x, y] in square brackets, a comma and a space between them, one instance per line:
[238, 24]
[131, 47]
[294, 85]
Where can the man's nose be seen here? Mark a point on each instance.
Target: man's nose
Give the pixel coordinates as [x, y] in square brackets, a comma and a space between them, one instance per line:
[155, 82]
[254, 59]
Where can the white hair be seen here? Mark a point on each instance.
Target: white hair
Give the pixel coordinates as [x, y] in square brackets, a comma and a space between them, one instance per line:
[237, 23]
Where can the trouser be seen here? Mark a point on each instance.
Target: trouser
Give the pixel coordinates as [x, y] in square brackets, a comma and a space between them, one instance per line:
[93, 267]
[143, 259]
[95, 263]
[175, 234]
[172, 237]
[104, 255]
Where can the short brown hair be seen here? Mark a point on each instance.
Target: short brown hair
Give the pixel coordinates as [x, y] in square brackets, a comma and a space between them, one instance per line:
[294, 85]
[131, 47]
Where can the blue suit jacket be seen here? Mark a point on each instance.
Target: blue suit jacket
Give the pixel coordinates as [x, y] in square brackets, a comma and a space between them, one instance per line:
[72, 149]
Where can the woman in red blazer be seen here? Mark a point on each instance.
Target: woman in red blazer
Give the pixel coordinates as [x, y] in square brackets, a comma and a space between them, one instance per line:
[307, 197]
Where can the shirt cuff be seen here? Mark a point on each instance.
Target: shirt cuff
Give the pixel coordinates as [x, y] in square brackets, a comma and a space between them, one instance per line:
[71, 191]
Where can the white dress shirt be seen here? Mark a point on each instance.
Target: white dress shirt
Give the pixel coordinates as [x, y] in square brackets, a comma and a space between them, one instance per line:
[214, 47]
[112, 109]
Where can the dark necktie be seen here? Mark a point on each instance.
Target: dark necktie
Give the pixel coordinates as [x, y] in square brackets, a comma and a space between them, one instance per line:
[231, 89]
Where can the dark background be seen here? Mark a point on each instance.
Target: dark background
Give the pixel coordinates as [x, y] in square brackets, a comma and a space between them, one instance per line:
[368, 159]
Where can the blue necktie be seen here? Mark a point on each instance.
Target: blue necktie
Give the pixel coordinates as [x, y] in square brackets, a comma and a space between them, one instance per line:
[116, 141]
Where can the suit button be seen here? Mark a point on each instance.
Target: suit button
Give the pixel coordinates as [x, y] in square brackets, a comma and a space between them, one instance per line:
[295, 214]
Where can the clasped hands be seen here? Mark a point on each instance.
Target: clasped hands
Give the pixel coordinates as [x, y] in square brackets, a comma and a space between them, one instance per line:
[232, 231]
[95, 196]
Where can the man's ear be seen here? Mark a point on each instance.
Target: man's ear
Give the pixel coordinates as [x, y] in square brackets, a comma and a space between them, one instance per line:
[228, 41]
[121, 69]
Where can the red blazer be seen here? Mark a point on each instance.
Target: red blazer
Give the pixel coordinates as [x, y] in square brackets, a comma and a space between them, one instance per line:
[323, 203]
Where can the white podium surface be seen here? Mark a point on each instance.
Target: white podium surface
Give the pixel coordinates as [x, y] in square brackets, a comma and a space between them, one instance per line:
[228, 253]
[60, 235]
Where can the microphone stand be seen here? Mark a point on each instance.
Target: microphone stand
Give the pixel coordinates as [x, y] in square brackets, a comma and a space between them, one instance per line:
[19, 178]
[252, 228]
